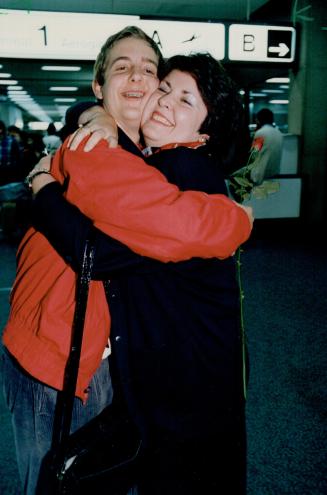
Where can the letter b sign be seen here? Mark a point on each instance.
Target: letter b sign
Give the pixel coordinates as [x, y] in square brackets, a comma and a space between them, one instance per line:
[248, 43]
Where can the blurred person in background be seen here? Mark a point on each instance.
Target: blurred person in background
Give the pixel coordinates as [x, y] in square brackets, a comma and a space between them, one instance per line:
[51, 141]
[30, 154]
[10, 156]
[267, 163]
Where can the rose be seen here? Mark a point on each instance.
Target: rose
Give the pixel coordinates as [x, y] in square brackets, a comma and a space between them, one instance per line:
[240, 182]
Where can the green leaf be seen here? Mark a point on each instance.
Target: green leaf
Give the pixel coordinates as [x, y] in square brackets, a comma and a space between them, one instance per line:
[243, 182]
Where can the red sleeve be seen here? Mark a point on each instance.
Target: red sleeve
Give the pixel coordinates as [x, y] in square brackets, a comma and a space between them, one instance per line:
[57, 164]
[134, 203]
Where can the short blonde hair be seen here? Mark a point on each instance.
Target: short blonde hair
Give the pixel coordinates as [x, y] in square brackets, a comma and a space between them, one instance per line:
[128, 32]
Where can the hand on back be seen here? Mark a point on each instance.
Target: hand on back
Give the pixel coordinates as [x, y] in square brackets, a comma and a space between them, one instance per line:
[97, 124]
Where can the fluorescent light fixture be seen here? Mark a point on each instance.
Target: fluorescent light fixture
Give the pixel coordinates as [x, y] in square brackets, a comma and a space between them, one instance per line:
[284, 86]
[31, 107]
[63, 88]
[20, 97]
[258, 95]
[64, 100]
[1, 66]
[278, 80]
[14, 88]
[68, 68]
[26, 99]
[273, 91]
[8, 81]
[5, 74]
[39, 111]
[38, 125]
[18, 92]
[279, 102]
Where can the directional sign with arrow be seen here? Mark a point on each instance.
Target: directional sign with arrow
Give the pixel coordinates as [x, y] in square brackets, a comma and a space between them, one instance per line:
[279, 43]
[281, 49]
[254, 43]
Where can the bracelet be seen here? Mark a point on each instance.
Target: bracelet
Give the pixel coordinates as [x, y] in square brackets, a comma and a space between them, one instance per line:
[31, 176]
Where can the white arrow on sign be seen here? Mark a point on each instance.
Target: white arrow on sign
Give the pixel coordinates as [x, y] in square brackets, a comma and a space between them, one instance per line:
[281, 49]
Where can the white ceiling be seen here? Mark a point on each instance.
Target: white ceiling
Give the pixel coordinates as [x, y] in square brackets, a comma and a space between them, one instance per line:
[199, 9]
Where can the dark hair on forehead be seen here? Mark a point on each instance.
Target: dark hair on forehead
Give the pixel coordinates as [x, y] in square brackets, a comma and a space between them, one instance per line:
[265, 116]
[128, 32]
[226, 118]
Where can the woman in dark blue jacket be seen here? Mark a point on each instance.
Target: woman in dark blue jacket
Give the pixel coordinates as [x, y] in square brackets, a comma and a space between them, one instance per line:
[175, 327]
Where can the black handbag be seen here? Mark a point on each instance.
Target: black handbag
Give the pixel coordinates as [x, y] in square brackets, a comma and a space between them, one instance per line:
[104, 453]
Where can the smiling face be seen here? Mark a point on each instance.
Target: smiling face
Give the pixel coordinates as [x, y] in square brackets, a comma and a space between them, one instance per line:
[130, 78]
[175, 111]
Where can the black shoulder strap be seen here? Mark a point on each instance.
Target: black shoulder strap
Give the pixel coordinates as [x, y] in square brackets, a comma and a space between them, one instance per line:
[65, 402]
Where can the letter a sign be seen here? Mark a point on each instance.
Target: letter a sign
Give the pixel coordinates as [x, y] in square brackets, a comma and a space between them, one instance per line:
[254, 43]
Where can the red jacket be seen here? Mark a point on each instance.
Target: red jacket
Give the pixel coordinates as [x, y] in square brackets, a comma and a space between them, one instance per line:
[132, 202]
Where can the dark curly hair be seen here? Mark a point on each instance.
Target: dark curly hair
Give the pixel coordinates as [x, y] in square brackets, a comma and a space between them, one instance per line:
[225, 122]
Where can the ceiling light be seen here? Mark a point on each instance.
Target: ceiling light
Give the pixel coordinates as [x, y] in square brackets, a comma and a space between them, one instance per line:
[38, 111]
[258, 94]
[8, 81]
[65, 100]
[5, 74]
[278, 80]
[33, 108]
[63, 88]
[18, 92]
[38, 126]
[273, 91]
[279, 102]
[1, 66]
[15, 96]
[20, 98]
[14, 88]
[284, 86]
[61, 68]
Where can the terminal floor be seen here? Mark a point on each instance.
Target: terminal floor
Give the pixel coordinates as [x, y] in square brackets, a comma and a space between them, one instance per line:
[284, 273]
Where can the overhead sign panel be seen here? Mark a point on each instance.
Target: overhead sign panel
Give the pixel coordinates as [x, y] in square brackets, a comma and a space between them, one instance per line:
[182, 38]
[253, 43]
[76, 36]
[79, 36]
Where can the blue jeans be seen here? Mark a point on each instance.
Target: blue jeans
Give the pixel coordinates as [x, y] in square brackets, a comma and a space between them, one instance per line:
[32, 405]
